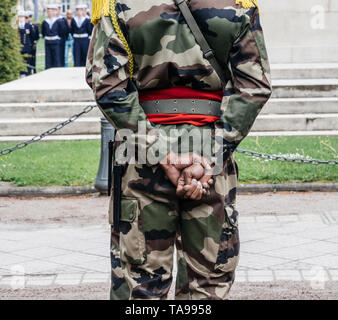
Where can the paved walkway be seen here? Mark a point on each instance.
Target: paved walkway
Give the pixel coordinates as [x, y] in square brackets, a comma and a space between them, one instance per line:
[283, 237]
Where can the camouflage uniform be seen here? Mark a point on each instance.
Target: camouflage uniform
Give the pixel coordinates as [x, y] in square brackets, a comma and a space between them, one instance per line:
[153, 218]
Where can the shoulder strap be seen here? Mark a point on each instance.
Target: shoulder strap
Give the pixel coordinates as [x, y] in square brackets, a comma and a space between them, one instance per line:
[224, 75]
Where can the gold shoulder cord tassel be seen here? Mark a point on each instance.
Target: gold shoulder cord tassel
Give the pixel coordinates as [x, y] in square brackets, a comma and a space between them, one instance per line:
[246, 4]
[108, 8]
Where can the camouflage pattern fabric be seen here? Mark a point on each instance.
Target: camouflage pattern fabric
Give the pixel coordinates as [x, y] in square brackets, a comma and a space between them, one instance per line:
[166, 54]
[153, 220]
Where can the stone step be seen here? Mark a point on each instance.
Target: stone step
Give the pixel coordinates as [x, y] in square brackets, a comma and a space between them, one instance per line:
[46, 110]
[304, 71]
[27, 127]
[68, 109]
[52, 85]
[68, 85]
[91, 125]
[296, 122]
[300, 105]
[305, 88]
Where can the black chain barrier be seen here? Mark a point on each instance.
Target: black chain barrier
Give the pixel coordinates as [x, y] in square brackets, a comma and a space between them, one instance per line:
[48, 132]
[245, 152]
[315, 162]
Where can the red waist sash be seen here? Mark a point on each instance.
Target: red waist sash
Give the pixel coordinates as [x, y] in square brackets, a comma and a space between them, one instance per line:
[180, 93]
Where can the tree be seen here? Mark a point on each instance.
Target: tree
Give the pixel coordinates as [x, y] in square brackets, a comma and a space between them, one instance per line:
[11, 59]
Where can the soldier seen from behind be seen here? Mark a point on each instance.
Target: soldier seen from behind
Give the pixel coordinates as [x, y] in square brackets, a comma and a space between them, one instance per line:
[36, 37]
[27, 37]
[81, 32]
[146, 65]
[52, 31]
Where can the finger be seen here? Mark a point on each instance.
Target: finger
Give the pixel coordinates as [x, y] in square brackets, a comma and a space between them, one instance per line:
[197, 171]
[206, 185]
[173, 174]
[197, 194]
[185, 190]
[180, 185]
[187, 176]
[190, 189]
[204, 180]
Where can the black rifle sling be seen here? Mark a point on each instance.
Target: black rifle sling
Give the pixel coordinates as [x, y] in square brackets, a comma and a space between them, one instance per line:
[224, 75]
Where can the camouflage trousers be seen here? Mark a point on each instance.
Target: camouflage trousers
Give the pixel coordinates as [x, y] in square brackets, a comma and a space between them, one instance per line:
[154, 220]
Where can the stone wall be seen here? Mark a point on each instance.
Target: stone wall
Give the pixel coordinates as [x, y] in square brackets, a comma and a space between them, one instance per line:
[29, 4]
[301, 31]
[296, 31]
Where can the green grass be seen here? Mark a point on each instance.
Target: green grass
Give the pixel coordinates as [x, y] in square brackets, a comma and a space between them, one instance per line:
[260, 170]
[70, 163]
[76, 163]
[40, 56]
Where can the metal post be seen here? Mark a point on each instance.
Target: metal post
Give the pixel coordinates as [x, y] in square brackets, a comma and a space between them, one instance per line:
[107, 134]
[36, 10]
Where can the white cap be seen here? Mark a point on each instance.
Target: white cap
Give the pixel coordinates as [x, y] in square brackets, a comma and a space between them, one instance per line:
[81, 6]
[29, 13]
[21, 13]
[51, 6]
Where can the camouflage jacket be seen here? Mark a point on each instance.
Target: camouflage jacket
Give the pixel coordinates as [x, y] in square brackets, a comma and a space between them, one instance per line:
[166, 54]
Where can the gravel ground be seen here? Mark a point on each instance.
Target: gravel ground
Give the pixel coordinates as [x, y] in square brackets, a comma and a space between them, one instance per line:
[91, 210]
[284, 290]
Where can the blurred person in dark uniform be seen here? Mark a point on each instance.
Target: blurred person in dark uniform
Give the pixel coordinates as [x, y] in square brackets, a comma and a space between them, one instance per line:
[36, 37]
[26, 34]
[64, 34]
[81, 31]
[52, 31]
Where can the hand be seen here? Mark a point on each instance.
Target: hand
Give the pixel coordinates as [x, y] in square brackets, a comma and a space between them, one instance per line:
[194, 181]
[173, 164]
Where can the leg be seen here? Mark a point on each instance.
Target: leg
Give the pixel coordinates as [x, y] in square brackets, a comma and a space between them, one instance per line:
[34, 59]
[48, 56]
[84, 50]
[142, 253]
[62, 53]
[57, 55]
[30, 62]
[26, 61]
[54, 54]
[81, 52]
[77, 53]
[208, 243]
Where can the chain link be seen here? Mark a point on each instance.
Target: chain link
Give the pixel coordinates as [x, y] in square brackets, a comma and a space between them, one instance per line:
[39, 137]
[266, 156]
[87, 109]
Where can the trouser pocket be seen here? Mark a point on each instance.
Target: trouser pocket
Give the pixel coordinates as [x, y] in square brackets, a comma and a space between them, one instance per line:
[228, 252]
[132, 240]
